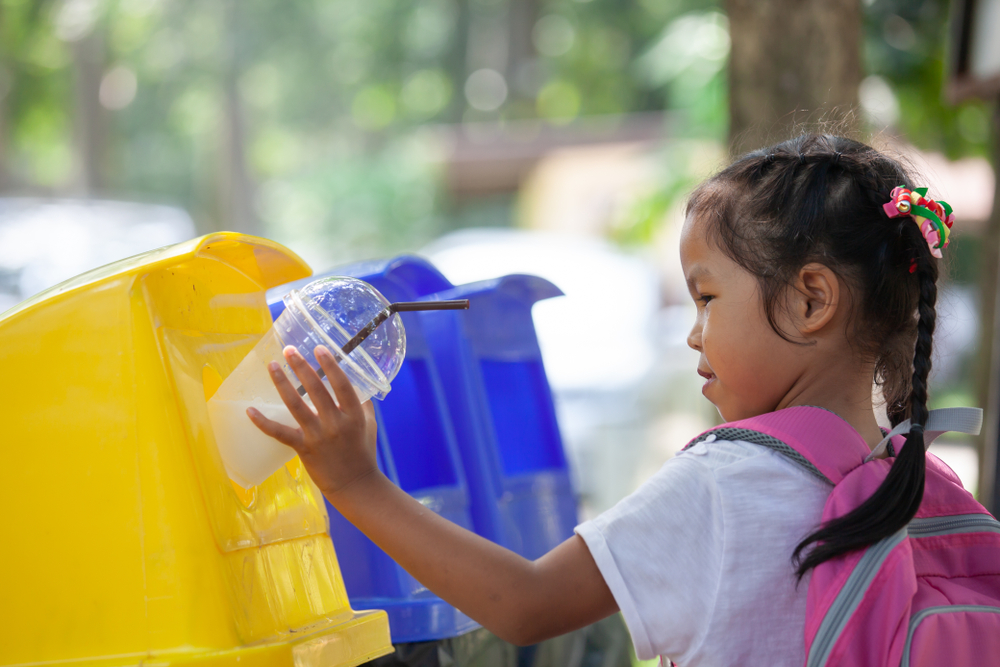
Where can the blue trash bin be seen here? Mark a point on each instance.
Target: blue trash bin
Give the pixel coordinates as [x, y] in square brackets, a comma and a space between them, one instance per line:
[505, 424]
[502, 409]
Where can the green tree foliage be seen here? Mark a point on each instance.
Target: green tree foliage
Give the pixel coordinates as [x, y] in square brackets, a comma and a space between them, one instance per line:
[332, 96]
[35, 118]
[906, 56]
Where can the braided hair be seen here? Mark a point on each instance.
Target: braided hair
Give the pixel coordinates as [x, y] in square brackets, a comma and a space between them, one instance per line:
[819, 198]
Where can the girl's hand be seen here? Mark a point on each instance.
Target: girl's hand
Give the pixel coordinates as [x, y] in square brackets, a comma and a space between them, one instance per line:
[336, 443]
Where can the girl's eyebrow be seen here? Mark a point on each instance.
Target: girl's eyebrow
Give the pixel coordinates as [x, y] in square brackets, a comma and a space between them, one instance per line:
[698, 271]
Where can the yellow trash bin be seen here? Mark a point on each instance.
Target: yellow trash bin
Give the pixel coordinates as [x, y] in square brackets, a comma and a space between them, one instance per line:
[123, 540]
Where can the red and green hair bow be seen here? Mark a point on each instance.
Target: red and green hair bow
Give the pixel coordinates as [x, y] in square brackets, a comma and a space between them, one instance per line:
[932, 217]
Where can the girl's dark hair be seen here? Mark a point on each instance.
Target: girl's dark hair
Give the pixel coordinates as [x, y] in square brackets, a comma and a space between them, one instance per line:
[819, 198]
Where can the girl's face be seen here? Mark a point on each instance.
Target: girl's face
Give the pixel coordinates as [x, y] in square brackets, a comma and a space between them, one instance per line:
[748, 367]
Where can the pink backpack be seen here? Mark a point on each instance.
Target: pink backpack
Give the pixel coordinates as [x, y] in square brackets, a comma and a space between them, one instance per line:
[927, 595]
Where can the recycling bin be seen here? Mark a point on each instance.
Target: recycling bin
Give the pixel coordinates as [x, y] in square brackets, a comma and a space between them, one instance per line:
[491, 361]
[125, 541]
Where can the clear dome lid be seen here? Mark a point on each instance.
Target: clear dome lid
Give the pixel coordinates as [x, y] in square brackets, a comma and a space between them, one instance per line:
[342, 307]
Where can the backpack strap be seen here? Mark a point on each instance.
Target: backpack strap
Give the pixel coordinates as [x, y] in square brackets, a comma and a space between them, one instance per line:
[943, 420]
[734, 432]
[793, 432]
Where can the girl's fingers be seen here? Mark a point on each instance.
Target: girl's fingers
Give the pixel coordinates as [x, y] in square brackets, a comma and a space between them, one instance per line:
[346, 397]
[369, 411]
[321, 398]
[290, 397]
[286, 435]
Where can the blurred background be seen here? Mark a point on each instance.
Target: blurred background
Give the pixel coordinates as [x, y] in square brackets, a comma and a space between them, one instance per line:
[553, 137]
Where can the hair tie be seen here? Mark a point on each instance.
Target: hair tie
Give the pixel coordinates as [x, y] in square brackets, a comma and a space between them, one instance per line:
[802, 158]
[836, 157]
[933, 218]
[770, 158]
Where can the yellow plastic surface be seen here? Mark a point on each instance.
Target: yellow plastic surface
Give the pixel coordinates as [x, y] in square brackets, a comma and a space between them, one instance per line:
[123, 540]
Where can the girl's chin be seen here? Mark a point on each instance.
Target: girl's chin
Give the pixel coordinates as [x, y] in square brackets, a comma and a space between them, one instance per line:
[707, 392]
[738, 412]
[732, 409]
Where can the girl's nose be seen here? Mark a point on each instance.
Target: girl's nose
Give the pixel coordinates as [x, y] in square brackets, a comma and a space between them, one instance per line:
[694, 337]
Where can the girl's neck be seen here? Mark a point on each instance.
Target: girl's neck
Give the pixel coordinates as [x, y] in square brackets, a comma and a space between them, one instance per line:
[849, 395]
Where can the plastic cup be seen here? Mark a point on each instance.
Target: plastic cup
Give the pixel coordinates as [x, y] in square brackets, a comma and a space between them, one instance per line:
[325, 312]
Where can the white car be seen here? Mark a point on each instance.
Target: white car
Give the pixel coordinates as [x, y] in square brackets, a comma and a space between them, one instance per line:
[46, 241]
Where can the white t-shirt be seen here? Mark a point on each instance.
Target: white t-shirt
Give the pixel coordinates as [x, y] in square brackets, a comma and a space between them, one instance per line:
[699, 557]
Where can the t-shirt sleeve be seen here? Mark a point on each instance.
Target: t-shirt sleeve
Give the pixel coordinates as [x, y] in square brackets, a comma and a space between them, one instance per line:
[660, 552]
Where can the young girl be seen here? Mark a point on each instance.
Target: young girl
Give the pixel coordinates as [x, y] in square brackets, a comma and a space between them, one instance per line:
[807, 292]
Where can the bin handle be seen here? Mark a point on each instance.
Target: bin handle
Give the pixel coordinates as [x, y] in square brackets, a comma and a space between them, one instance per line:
[386, 313]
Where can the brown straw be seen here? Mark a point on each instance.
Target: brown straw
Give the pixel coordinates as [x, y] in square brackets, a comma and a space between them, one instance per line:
[387, 312]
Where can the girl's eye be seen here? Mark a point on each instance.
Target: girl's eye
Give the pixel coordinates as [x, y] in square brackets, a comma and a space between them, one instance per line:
[705, 298]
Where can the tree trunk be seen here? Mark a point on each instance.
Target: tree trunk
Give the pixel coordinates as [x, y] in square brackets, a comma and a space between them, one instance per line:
[236, 187]
[791, 62]
[6, 84]
[89, 117]
[522, 15]
[458, 61]
[988, 365]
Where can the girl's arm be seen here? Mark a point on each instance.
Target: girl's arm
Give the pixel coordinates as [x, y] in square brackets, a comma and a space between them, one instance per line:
[520, 601]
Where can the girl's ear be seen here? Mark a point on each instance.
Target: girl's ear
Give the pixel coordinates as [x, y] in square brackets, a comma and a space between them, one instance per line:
[816, 297]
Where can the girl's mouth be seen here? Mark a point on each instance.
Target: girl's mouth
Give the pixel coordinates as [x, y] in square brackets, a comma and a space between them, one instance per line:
[709, 378]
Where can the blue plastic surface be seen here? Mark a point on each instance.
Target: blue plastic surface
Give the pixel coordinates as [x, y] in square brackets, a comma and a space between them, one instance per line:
[503, 414]
[469, 428]
[402, 278]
